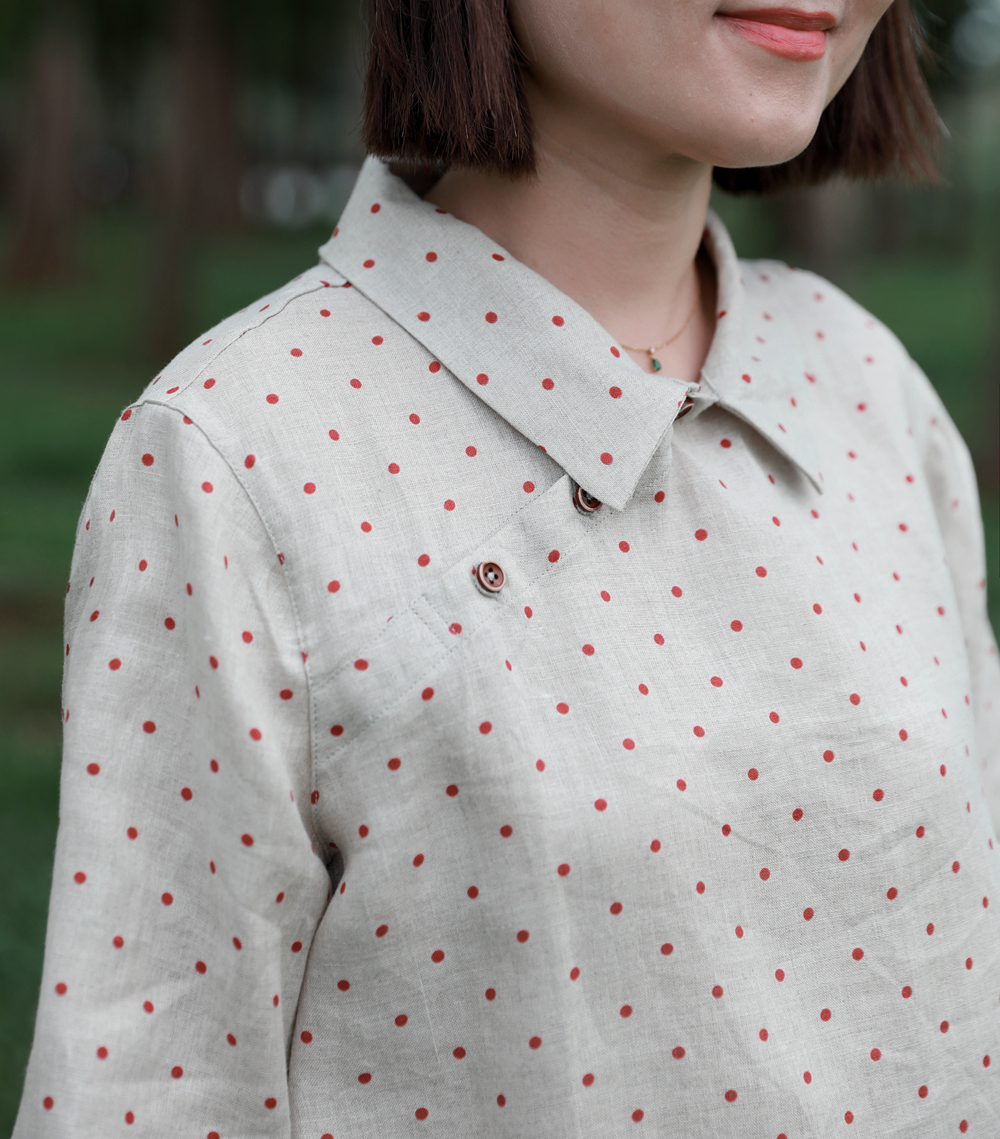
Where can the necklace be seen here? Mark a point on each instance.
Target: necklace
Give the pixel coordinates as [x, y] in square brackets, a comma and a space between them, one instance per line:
[653, 360]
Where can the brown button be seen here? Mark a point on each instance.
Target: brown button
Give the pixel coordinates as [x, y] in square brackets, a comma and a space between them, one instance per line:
[685, 407]
[585, 503]
[490, 576]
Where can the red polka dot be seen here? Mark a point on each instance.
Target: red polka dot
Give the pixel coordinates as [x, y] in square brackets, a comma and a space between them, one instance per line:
[828, 756]
[760, 571]
[93, 769]
[717, 991]
[753, 774]
[638, 1115]
[177, 1071]
[491, 318]
[922, 1091]
[149, 727]
[553, 556]
[878, 794]
[773, 717]
[765, 874]
[795, 662]
[844, 854]
[808, 913]
[255, 733]
[779, 975]
[797, 814]
[562, 709]
[730, 1096]
[535, 1042]
[903, 734]
[659, 496]
[699, 731]
[606, 458]
[701, 535]
[848, 1116]
[485, 727]
[614, 351]
[681, 785]
[736, 626]
[272, 398]
[421, 1113]
[825, 1014]
[48, 1103]
[601, 804]
[628, 744]
[506, 830]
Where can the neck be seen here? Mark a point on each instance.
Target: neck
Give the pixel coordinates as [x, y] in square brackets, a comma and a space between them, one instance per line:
[614, 226]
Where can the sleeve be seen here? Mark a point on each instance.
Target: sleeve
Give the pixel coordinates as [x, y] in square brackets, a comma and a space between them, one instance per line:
[187, 887]
[951, 481]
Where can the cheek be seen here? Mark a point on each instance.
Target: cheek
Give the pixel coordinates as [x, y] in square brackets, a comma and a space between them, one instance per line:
[860, 21]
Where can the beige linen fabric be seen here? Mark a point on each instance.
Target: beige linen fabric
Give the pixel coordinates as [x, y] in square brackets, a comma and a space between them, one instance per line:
[683, 832]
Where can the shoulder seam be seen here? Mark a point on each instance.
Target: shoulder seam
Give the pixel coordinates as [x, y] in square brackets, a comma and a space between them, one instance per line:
[237, 333]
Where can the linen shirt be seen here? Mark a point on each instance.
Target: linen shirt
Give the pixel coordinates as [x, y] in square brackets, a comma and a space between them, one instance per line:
[684, 831]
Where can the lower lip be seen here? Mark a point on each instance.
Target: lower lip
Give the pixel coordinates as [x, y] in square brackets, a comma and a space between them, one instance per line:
[789, 43]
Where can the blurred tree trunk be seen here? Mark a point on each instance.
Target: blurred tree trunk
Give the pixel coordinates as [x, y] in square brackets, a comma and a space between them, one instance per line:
[198, 185]
[820, 227]
[44, 200]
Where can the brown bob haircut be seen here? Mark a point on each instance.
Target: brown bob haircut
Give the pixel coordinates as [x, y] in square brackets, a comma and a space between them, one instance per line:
[443, 88]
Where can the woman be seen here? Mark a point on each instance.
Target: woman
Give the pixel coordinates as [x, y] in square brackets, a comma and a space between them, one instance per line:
[479, 723]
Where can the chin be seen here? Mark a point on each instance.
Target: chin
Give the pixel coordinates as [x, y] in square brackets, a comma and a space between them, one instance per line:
[762, 142]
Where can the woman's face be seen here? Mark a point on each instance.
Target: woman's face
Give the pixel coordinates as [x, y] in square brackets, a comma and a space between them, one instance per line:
[726, 82]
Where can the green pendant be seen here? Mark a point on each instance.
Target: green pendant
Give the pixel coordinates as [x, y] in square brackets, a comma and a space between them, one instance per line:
[656, 364]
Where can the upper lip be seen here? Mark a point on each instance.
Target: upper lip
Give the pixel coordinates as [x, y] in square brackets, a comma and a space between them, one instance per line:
[794, 18]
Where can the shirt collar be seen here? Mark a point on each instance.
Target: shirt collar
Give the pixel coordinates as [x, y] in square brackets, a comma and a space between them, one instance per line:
[530, 352]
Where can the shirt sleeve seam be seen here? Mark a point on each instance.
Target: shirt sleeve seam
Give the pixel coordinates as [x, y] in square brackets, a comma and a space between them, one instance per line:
[316, 836]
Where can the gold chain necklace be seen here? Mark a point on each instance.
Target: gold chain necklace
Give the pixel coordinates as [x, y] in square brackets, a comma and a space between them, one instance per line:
[653, 360]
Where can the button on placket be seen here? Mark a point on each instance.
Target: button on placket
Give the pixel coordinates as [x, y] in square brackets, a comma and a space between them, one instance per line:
[489, 576]
[584, 502]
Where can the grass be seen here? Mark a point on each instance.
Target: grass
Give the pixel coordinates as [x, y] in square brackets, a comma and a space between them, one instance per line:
[71, 358]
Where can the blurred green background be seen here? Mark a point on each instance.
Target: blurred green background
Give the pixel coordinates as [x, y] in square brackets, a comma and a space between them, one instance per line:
[164, 162]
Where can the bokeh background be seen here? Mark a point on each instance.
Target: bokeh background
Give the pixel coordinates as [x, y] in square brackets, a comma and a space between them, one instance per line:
[164, 162]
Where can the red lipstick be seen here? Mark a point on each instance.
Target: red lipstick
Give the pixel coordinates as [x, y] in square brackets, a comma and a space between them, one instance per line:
[788, 32]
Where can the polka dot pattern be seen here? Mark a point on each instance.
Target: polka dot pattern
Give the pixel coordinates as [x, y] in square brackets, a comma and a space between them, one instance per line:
[619, 829]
